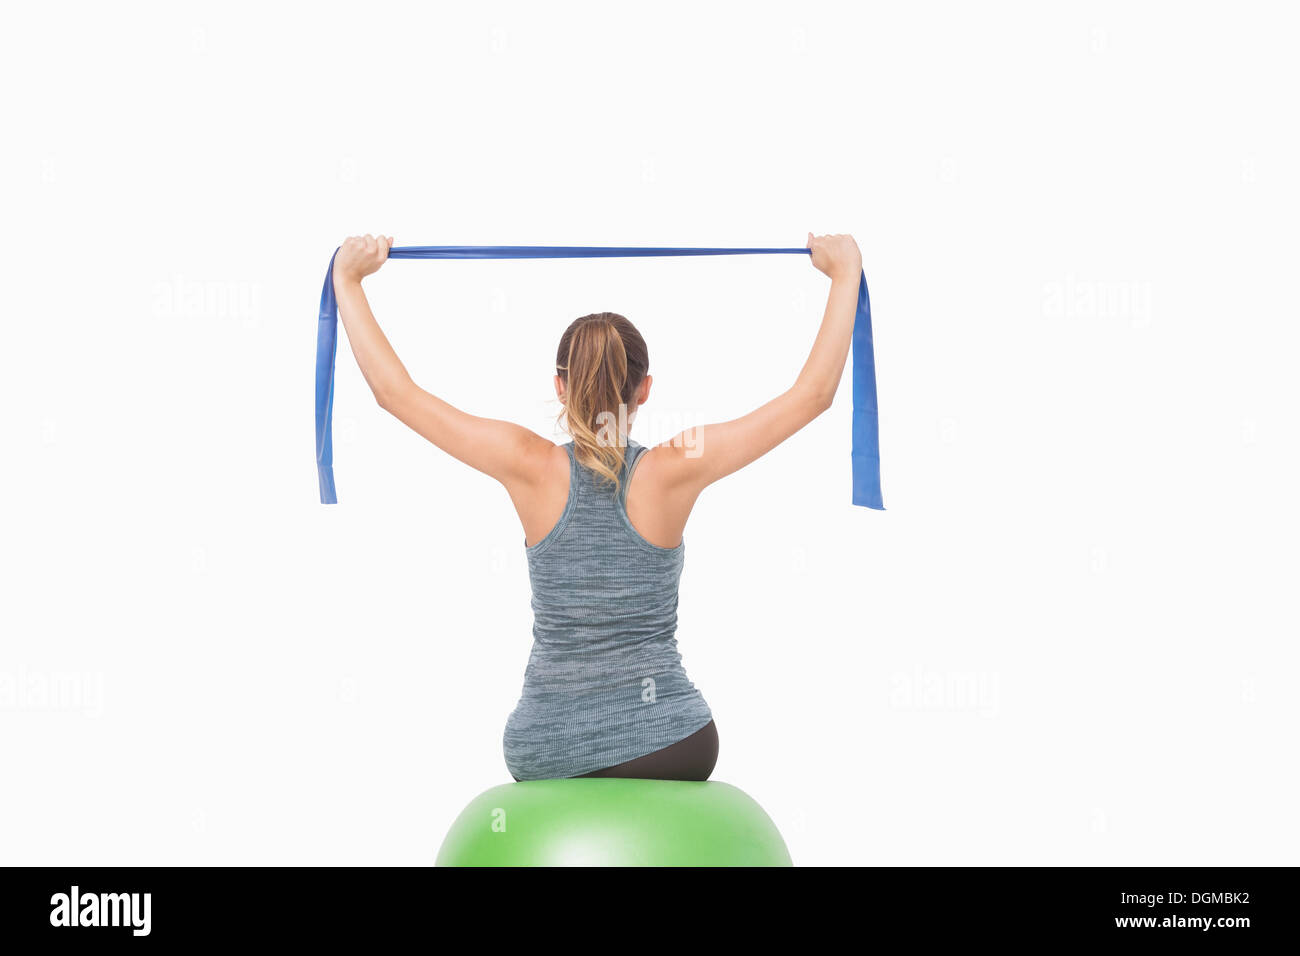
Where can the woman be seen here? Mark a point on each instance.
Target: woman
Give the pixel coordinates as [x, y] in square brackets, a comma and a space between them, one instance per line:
[604, 694]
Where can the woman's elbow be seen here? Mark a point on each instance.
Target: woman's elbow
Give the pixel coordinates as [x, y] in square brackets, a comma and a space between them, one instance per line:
[818, 400]
[814, 399]
[389, 395]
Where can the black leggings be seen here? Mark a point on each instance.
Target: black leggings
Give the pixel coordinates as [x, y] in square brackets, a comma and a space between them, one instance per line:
[691, 758]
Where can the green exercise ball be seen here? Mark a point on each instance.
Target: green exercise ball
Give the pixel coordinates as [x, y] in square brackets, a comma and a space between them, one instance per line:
[613, 821]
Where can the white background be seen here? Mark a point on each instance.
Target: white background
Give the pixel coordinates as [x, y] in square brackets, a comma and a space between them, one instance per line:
[1070, 639]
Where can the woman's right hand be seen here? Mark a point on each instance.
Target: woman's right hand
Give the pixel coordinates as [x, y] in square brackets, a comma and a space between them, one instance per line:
[836, 255]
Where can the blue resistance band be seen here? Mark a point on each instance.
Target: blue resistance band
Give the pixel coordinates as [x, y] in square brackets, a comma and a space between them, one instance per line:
[866, 432]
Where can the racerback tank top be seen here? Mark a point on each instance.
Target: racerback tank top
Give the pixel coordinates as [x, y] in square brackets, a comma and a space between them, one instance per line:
[604, 682]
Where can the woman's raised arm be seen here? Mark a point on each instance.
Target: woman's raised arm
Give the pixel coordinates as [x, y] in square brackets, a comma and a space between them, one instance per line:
[506, 451]
[695, 459]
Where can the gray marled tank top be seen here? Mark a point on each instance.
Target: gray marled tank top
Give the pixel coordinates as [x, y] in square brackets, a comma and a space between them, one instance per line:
[604, 682]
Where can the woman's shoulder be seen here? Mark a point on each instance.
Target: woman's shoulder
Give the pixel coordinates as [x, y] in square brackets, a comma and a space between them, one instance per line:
[653, 504]
[542, 500]
[661, 459]
[546, 466]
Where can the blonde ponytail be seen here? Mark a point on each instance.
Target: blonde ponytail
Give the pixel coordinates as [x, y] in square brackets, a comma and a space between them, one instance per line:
[602, 361]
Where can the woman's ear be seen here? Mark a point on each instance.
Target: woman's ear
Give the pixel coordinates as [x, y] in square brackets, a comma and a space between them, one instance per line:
[643, 393]
[559, 388]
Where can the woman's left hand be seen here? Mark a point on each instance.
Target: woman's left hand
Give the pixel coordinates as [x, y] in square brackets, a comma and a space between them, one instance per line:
[361, 255]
